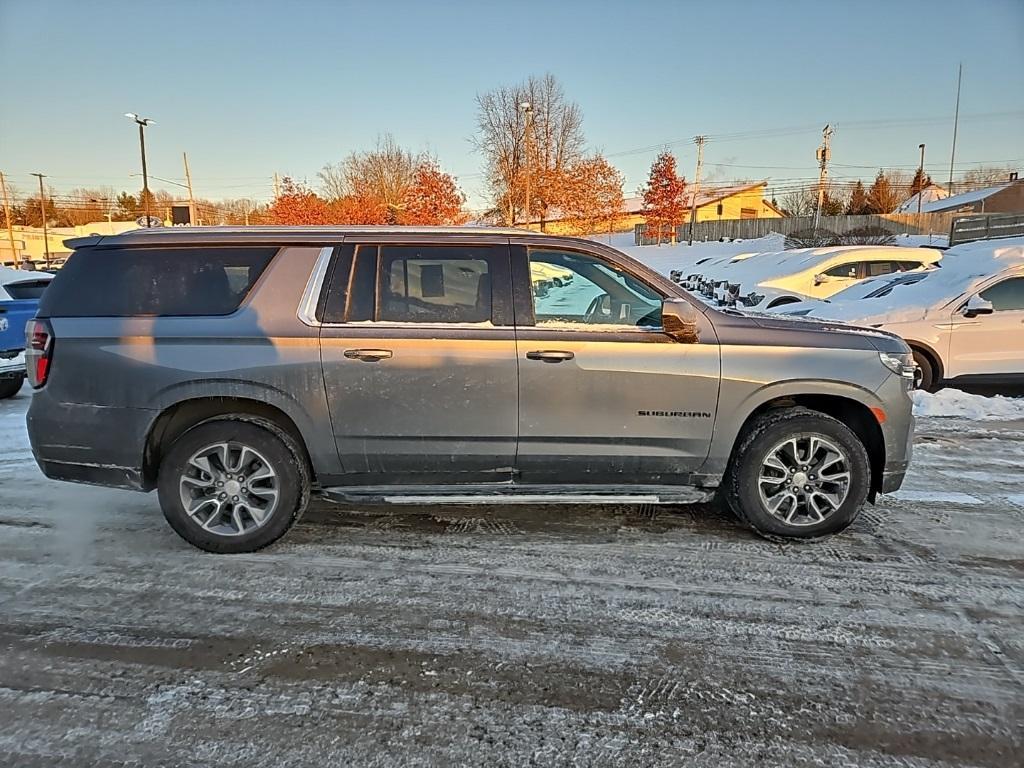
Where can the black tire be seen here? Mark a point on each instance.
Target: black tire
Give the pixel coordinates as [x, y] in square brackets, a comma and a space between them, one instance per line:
[281, 452]
[10, 387]
[740, 485]
[926, 378]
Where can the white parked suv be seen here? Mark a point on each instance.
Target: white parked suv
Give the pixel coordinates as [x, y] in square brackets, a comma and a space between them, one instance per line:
[769, 280]
[964, 322]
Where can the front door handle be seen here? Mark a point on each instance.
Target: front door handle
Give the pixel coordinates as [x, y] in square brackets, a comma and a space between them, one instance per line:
[550, 355]
[368, 355]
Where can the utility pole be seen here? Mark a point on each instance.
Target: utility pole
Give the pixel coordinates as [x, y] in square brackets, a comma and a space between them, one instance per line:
[699, 141]
[42, 209]
[277, 186]
[920, 175]
[824, 155]
[10, 224]
[956, 121]
[191, 200]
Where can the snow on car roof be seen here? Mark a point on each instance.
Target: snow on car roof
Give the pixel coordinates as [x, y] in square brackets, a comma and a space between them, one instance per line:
[963, 268]
[772, 265]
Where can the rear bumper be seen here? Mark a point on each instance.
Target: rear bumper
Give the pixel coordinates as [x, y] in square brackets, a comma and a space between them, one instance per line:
[91, 444]
[12, 367]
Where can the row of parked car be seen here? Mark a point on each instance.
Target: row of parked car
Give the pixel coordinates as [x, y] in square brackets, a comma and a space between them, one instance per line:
[961, 310]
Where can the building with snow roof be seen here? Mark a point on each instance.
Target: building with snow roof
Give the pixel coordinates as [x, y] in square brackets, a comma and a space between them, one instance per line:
[1007, 197]
[737, 201]
[930, 194]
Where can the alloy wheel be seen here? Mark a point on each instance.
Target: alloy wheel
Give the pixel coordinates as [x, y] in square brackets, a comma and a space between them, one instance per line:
[804, 479]
[229, 488]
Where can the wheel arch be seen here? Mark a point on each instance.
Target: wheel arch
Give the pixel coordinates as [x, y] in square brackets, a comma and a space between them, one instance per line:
[179, 418]
[938, 367]
[854, 413]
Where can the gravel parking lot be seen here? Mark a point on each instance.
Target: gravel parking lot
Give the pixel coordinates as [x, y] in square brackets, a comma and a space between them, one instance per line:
[520, 635]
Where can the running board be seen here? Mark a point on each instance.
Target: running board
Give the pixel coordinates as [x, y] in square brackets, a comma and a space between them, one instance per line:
[509, 494]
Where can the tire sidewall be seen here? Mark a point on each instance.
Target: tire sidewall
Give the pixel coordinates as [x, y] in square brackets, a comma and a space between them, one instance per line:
[274, 444]
[745, 498]
[10, 387]
[927, 371]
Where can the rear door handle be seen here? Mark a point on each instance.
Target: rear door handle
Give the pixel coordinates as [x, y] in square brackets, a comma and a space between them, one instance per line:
[368, 355]
[550, 355]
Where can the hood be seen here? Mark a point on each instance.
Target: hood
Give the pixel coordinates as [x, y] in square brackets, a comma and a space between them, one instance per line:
[815, 332]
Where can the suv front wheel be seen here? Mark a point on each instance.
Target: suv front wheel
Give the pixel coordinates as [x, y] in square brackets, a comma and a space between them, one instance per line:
[235, 484]
[799, 474]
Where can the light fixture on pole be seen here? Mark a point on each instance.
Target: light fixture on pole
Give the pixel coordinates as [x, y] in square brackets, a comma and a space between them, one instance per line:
[527, 108]
[142, 123]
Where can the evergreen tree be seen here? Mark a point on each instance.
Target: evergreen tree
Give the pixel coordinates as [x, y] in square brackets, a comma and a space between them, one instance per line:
[921, 180]
[858, 200]
[882, 196]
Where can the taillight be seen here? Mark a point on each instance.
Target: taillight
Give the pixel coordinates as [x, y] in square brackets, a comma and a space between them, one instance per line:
[38, 352]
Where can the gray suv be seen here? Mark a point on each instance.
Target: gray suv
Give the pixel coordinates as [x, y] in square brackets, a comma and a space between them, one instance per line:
[239, 371]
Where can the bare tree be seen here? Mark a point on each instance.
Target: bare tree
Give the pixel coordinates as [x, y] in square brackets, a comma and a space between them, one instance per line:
[982, 176]
[541, 156]
[800, 202]
[384, 174]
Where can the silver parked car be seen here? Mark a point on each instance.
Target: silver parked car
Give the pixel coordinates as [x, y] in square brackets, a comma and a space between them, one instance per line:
[239, 371]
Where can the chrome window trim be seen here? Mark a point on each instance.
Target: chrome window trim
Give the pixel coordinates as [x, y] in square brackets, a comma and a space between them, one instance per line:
[314, 287]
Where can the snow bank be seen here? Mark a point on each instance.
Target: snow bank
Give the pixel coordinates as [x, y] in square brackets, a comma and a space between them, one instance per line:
[954, 403]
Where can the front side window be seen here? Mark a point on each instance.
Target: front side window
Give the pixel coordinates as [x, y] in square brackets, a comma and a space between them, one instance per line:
[1006, 296]
[580, 290]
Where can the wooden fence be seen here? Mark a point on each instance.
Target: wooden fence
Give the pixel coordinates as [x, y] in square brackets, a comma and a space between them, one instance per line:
[871, 228]
[990, 226]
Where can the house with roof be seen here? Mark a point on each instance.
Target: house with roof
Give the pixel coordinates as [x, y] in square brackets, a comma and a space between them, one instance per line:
[1007, 197]
[930, 194]
[736, 201]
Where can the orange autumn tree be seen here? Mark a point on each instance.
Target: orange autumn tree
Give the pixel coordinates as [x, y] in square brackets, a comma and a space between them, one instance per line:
[591, 195]
[433, 198]
[664, 204]
[297, 204]
[357, 209]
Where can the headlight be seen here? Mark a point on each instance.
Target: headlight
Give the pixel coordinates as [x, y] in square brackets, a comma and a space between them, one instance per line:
[901, 365]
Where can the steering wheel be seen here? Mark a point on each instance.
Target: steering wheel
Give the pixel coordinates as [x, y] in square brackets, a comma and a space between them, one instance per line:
[596, 312]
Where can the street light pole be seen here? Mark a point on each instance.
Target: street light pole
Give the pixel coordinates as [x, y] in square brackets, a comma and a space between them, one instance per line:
[528, 119]
[42, 209]
[920, 175]
[143, 122]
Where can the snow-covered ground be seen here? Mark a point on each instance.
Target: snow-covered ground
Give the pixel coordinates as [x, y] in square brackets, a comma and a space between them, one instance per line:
[607, 636]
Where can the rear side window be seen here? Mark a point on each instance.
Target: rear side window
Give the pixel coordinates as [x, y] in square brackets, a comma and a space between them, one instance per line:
[160, 282]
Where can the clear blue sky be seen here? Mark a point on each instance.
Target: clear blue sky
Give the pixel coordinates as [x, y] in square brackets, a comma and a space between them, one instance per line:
[249, 88]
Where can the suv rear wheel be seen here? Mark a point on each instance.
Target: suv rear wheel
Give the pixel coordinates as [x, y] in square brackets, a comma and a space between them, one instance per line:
[799, 474]
[235, 484]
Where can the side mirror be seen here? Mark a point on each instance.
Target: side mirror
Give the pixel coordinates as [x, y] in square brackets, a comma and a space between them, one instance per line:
[977, 306]
[821, 278]
[679, 319]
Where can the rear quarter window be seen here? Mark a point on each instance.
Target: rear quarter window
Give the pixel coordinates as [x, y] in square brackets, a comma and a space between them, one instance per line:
[159, 282]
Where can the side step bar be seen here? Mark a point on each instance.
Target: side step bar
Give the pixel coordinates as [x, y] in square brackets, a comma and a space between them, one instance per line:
[508, 494]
